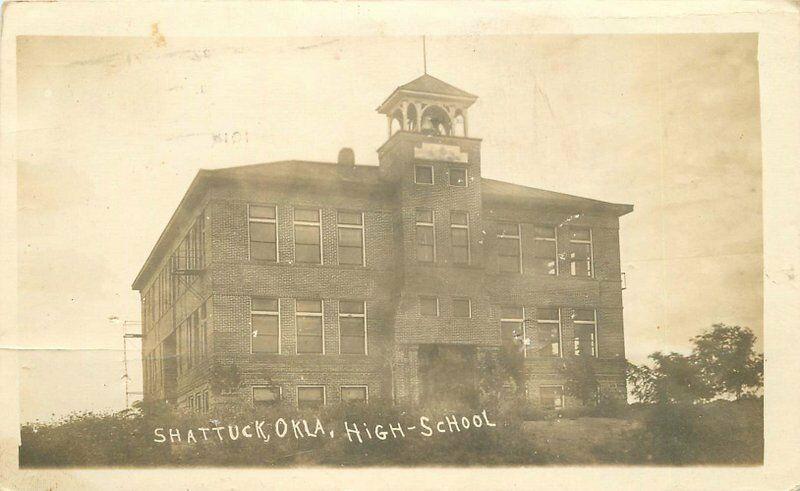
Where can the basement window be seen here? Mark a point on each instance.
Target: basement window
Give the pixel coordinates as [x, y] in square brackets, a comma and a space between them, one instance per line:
[265, 395]
[310, 397]
[462, 307]
[354, 394]
[429, 306]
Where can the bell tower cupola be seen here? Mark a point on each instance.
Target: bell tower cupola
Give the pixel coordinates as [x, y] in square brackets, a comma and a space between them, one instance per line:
[428, 106]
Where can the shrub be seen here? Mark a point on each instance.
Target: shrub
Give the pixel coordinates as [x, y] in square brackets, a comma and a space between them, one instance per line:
[609, 406]
[714, 433]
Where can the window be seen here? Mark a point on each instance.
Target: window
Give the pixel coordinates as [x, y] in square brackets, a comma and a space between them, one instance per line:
[266, 396]
[354, 393]
[462, 307]
[263, 232]
[508, 248]
[265, 325]
[350, 227]
[307, 236]
[204, 329]
[423, 174]
[429, 306]
[551, 396]
[545, 250]
[309, 326]
[309, 397]
[426, 239]
[581, 257]
[585, 326]
[458, 176]
[512, 329]
[459, 237]
[194, 338]
[191, 403]
[548, 342]
[352, 328]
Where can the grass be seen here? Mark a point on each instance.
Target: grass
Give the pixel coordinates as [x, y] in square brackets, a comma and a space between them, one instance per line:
[718, 433]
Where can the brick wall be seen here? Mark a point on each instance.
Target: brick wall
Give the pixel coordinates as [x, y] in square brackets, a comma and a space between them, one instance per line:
[391, 282]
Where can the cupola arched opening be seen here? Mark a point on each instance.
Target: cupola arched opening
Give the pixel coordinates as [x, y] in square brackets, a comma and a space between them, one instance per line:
[459, 128]
[435, 121]
[411, 117]
[396, 123]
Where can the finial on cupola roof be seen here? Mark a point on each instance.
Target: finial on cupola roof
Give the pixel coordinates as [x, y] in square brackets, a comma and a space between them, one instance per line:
[427, 105]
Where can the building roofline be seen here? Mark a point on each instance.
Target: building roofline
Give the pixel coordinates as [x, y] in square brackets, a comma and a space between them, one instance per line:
[493, 190]
[197, 182]
[518, 193]
[455, 94]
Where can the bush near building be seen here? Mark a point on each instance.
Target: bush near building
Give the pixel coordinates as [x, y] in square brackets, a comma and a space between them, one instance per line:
[720, 432]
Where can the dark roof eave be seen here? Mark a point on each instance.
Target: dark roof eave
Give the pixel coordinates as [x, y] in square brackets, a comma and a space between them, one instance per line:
[585, 204]
[198, 181]
[382, 108]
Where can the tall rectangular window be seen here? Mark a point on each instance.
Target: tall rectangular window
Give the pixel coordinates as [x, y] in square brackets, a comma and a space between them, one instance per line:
[195, 336]
[309, 397]
[265, 325]
[581, 255]
[307, 236]
[459, 237]
[545, 250]
[204, 329]
[426, 238]
[551, 396]
[548, 322]
[352, 328]
[201, 240]
[585, 326]
[509, 248]
[308, 318]
[262, 221]
[423, 174]
[350, 228]
[179, 355]
[512, 328]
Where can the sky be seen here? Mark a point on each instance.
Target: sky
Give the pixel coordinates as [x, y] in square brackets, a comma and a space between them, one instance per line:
[111, 131]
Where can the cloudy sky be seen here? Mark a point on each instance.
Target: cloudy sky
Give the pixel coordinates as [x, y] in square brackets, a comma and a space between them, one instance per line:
[112, 131]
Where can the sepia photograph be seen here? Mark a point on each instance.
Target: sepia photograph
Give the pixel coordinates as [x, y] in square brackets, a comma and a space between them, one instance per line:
[516, 245]
[391, 251]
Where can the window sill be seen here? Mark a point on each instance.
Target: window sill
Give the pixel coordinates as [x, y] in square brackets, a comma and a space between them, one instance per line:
[306, 265]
